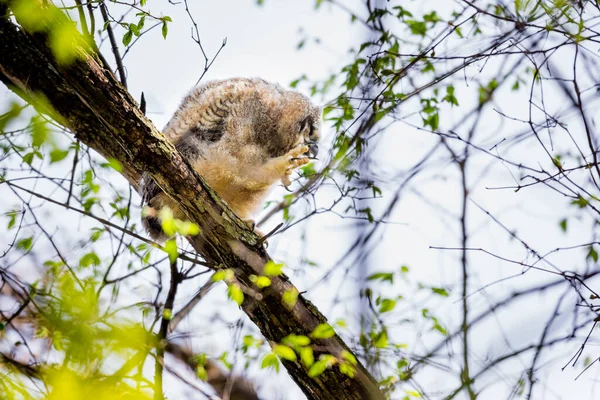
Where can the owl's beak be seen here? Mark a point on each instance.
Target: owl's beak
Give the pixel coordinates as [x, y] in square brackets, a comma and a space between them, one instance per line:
[313, 149]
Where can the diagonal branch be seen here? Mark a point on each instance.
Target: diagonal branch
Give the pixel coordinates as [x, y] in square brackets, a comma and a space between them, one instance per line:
[86, 98]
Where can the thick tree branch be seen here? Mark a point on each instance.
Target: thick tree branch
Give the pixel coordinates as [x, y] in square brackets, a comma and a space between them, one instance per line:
[87, 99]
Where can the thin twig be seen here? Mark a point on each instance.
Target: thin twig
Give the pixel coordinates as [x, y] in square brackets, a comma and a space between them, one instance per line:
[113, 44]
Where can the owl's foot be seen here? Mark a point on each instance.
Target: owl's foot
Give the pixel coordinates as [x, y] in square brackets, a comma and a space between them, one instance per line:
[252, 225]
[299, 151]
[296, 157]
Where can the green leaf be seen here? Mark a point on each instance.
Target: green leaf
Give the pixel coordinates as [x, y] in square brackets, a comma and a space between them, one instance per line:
[64, 42]
[223, 275]
[250, 341]
[57, 155]
[263, 282]
[165, 29]
[439, 328]
[201, 372]
[382, 276]
[382, 112]
[87, 205]
[322, 331]
[563, 225]
[580, 202]
[557, 163]
[167, 314]
[12, 215]
[387, 305]
[308, 170]
[381, 340]
[273, 269]
[235, 293]
[593, 254]
[306, 356]
[369, 214]
[140, 24]
[296, 340]
[295, 82]
[347, 369]
[290, 297]
[432, 120]
[53, 264]
[341, 323]
[317, 368]
[440, 291]
[114, 164]
[10, 115]
[402, 363]
[134, 28]
[270, 361]
[346, 355]
[127, 37]
[417, 27]
[284, 352]
[402, 12]
[171, 249]
[450, 98]
[89, 259]
[28, 158]
[39, 132]
[96, 233]
[25, 244]
[186, 228]
[431, 17]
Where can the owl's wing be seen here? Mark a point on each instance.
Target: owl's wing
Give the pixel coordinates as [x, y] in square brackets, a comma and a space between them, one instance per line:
[200, 119]
[191, 145]
[204, 111]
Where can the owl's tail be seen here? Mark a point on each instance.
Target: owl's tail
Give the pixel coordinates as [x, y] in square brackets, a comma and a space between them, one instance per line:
[151, 196]
[153, 226]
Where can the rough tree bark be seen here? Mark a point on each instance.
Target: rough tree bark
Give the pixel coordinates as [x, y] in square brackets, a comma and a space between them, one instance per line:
[87, 99]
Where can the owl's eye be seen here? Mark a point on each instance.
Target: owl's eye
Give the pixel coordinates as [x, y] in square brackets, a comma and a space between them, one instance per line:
[303, 124]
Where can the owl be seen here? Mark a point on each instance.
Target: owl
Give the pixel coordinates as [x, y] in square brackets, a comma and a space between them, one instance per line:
[242, 136]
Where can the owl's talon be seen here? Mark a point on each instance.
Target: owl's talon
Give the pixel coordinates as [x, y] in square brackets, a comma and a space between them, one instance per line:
[298, 162]
[250, 223]
[285, 180]
[298, 151]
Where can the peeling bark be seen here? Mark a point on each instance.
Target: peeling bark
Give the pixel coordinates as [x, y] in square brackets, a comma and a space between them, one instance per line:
[86, 98]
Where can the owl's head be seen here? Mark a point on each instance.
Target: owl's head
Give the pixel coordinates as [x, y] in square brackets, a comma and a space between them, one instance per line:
[301, 120]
